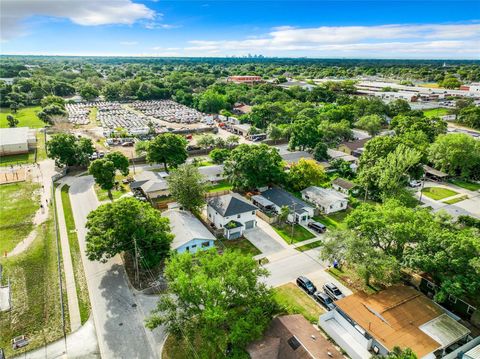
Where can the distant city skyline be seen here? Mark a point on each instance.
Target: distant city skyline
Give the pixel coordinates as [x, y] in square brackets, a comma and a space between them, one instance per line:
[315, 29]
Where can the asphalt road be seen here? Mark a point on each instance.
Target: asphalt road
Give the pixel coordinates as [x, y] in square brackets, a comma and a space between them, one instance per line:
[117, 312]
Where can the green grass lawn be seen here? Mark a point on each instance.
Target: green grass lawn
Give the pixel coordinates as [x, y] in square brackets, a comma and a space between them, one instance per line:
[309, 246]
[333, 220]
[80, 280]
[93, 115]
[472, 186]
[220, 186]
[241, 244]
[18, 204]
[435, 112]
[27, 117]
[350, 279]
[456, 200]
[300, 234]
[36, 309]
[438, 193]
[293, 300]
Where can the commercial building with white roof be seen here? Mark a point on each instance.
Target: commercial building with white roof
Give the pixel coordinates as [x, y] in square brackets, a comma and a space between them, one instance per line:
[16, 140]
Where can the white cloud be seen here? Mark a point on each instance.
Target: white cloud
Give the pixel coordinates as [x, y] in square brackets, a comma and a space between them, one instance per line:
[397, 40]
[81, 12]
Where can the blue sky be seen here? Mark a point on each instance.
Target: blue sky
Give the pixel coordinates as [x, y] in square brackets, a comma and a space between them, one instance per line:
[351, 29]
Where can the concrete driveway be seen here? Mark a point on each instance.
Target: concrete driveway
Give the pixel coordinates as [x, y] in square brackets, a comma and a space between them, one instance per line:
[263, 241]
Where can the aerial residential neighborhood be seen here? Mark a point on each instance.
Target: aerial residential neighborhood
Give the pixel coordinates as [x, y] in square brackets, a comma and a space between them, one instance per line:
[291, 180]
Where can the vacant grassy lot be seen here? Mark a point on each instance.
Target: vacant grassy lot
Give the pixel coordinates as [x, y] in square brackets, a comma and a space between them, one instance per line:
[438, 193]
[435, 112]
[432, 85]
[18, 204]
[300, 234]
[333, 220]
[241, 244]
[293, 300]
[36, 310]
[26, 116]
[80, 280]
[352, 280]
[456, 200]
[220, 186]
[472, 186]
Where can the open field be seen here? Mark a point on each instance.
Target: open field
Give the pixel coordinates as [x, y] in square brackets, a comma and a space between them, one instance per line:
[18, 204]
[435, 112]
[300, 234]
[432, 85]
[438, 193]
[293, 300]
[241, 244]
[27, 117]
[80, 280]
[36, 309]
[472, 186]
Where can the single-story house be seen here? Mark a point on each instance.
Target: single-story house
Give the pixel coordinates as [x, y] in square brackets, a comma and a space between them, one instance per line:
[232, 213]
[343, 185]
[17, 140]
[152, 184]
[190, 234]
[354, 148]
[327, 200]
[293, 157]
[364, 325]
[242, 129]
[292, 337]
[212, 174]
[335, 154]
[300, 212]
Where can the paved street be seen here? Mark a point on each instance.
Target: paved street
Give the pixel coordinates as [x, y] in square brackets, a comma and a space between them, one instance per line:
[117, 312]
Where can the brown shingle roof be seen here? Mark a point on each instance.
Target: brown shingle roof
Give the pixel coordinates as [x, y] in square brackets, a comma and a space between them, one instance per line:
[393, 317]
[355, 145]
[344, 183]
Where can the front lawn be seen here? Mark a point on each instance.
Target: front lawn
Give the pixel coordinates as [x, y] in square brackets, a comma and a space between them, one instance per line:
[36, 309]
[117, 191]
[352, 280]
[472, 186]
[241, 244]
[27, 117]
[80, 280]
[220, 186]
[438, 193]
[18, 204]
[300, 234]
[293, 300]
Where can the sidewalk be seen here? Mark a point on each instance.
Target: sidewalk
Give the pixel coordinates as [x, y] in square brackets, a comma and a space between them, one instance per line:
[71, 290]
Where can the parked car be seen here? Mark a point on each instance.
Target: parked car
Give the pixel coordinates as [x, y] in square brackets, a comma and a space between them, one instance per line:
[317, 226]
[94, 156]
[19, 342]
[414, 183]
[306, 285]
[324, 300]
[333, 291]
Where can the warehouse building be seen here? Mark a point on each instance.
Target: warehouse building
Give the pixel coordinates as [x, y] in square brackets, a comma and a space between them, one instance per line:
[16, 140]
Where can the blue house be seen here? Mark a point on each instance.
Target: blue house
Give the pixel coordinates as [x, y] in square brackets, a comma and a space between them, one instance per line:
[190, 234]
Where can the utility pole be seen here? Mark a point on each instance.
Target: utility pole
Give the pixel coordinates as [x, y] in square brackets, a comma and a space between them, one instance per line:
[421, 188]
[293, 222]
[137, 277]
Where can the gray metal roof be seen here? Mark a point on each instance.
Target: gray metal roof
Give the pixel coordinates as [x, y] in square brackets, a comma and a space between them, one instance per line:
[186, 227]
[212, 173]
[230, 205]
[15, 136]
[281, 198]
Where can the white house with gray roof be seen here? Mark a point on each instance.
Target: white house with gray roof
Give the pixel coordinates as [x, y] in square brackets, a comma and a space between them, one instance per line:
[327, 200]
[300, 212]
[190, 234]
[232, 213]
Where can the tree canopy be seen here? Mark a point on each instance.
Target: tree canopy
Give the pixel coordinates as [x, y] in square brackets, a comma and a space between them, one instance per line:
[187, 186]
[68, 150]
[115, 227]
[304, 174]
[168, 149]
[217, 298]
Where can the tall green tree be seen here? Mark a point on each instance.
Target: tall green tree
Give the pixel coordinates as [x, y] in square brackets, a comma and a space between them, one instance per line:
[169, 149]
[187, 186]
[304, 174]
[253, 166]
[120, 162]
[370, 123]
[68, 150]
[217, 299]
[431, 126]
[12, 121]
[103, 171]
[117, 227]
